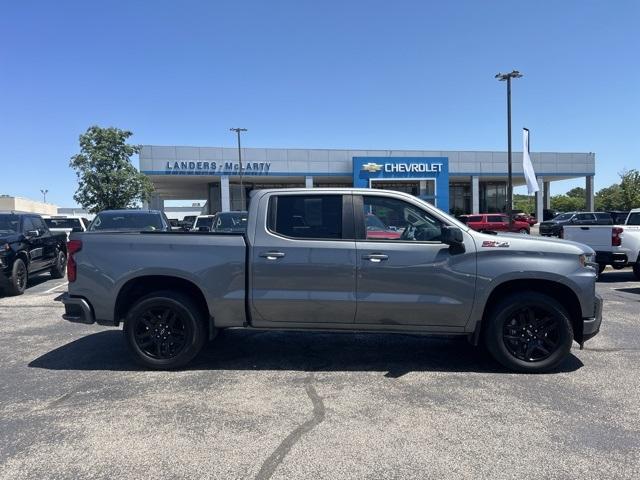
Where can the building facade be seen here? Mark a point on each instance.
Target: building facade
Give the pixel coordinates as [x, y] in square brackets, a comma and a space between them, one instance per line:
[454, 181]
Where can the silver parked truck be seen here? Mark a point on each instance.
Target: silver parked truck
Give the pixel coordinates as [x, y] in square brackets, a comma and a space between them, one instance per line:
[311, 259]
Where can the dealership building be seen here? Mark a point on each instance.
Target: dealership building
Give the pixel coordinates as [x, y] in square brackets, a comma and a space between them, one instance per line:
[454, 181]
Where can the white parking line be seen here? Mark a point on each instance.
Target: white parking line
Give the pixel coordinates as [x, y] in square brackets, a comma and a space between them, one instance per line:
[56, 287]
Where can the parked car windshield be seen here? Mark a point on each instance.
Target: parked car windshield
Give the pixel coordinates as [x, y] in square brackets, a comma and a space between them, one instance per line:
[563, 216]
[9, 223]
[126, 221]
[63, 222]
[204, 222]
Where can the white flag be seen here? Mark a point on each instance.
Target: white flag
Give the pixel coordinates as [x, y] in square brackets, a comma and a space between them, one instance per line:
[527, 166]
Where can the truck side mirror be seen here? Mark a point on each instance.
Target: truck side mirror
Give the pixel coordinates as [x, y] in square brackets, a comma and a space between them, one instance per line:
[453, 237]
[32, 233]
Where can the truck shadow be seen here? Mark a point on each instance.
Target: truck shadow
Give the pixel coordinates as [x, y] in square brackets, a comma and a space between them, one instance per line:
[395, 354]
[614, 276]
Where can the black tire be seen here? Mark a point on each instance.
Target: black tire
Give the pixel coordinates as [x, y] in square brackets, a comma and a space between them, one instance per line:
[165, 330]
[601, 267]
[523, 231]
[59, 267]
[636, 270]
[19, 278]
[528, 332]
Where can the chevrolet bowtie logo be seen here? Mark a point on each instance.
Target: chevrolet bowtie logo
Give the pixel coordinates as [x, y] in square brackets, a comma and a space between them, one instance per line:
[372, 167]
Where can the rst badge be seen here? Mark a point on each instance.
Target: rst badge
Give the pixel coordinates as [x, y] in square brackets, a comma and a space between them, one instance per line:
[494, 243]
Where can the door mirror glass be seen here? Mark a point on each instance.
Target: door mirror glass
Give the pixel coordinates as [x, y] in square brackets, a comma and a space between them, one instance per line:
[33, 233]
[452, 236]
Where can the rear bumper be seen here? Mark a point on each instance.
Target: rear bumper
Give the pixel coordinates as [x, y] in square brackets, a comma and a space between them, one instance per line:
[77, 310]
[611, 258]
[591, 325]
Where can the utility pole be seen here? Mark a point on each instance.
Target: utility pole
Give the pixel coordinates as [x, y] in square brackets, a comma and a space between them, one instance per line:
[242, 193]
[44, 192]
[507, 77]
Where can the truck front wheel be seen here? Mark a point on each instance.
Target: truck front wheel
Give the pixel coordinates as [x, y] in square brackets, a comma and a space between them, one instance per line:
[529, 332]
[165, 330]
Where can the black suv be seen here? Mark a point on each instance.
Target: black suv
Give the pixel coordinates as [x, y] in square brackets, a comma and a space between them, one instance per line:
[28, 247]
[554, 227]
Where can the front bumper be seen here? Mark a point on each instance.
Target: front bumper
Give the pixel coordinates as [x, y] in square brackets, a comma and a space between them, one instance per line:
[77, 310]
[591, 325]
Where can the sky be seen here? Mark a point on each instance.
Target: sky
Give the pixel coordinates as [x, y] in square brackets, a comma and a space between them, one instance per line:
[315, 74]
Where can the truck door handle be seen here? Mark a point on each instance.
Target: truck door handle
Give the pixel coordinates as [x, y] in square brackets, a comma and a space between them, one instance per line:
[375, 257]
[272, 255]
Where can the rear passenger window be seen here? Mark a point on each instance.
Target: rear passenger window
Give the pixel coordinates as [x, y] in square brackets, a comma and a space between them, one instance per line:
[306, 216]
[495, 219]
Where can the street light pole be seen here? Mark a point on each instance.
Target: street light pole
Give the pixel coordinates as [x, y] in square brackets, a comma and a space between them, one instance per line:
[44, 195]
[507, 77]
[242, 194]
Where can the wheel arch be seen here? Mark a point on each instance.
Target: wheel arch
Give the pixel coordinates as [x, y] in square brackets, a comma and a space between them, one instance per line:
[138, 287]
[560, 292]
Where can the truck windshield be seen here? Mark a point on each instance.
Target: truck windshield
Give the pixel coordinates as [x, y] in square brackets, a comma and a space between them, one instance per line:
[63, 222]
[9, 223]
[126, 221]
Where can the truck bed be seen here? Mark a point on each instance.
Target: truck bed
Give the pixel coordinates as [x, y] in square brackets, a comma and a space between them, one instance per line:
[214, 262]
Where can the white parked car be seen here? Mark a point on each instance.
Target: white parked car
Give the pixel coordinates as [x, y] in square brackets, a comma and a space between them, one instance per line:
[615, 245]
[203, 223]
[66, 224]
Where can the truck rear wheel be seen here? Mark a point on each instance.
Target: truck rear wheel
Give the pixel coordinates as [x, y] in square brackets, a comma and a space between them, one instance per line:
[529, 332]
[165, 330]
[60, 265]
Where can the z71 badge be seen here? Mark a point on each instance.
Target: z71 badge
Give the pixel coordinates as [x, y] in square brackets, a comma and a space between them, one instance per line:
[493, 243]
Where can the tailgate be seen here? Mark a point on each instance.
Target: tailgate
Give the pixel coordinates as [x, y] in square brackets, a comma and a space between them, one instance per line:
[597, 237]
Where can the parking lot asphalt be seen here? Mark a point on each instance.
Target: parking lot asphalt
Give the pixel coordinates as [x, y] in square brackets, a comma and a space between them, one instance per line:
[309, 405]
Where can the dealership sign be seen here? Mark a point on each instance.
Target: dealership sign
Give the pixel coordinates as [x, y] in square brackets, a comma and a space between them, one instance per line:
[218, 168]
[374, 171]
[402, 167]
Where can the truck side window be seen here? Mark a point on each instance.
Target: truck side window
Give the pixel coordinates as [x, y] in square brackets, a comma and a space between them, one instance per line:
[27, 225]
[306, 216]
[393, 219]
[496, 219]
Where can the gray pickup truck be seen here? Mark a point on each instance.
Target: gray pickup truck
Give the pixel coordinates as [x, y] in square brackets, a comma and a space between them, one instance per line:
[337, 260]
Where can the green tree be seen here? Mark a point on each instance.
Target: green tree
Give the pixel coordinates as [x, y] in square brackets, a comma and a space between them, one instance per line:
[565, 203]
[577, 192]
[106, 177]
[525, 203]
[629, 189]
[608, 198]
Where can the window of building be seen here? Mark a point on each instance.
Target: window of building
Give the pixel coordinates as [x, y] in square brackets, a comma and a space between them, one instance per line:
[493, 197]
[306, 216]
[459, 198]
[394, 219]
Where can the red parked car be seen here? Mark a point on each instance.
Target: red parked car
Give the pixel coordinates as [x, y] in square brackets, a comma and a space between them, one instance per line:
[497, 222]
[376, 229]
[525, 217]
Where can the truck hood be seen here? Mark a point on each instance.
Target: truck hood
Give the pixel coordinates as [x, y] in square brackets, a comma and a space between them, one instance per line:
[528, 243]
[10, 238]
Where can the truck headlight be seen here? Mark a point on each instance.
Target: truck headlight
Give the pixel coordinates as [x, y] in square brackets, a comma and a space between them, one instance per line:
[587, 260]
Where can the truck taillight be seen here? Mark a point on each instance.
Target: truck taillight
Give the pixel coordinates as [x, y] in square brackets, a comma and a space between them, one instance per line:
[616, 241]
[73, 246]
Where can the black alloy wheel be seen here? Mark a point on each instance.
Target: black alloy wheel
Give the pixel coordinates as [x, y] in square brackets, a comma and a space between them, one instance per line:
[59, 267]
[160, 332]
[531, 333]
[165, 330]
[19, 277]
